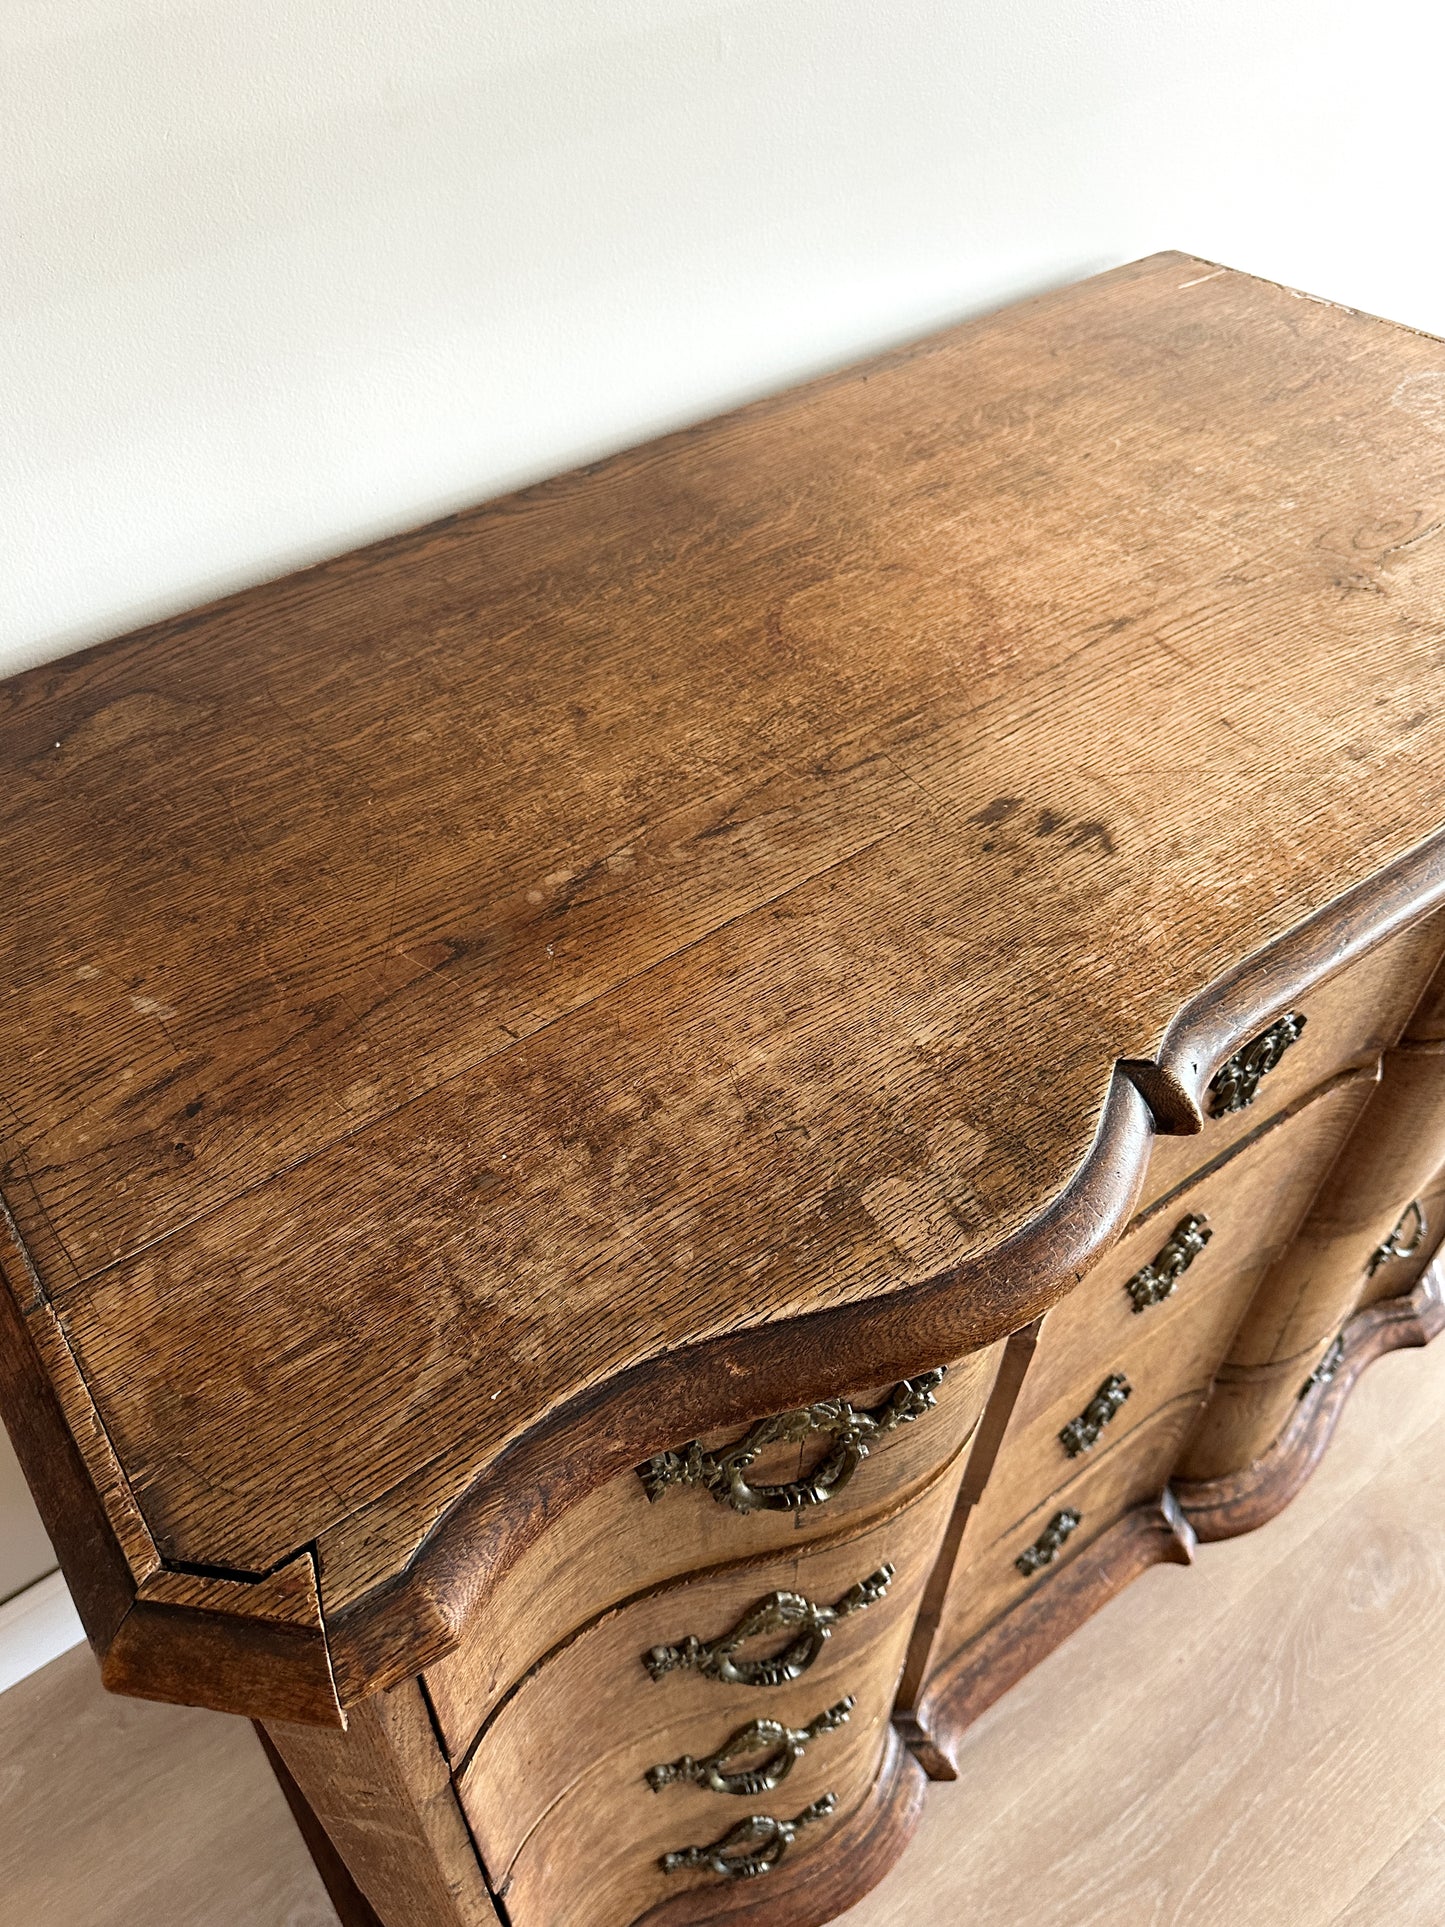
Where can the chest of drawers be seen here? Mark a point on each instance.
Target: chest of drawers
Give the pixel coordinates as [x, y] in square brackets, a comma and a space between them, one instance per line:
[652, 1135]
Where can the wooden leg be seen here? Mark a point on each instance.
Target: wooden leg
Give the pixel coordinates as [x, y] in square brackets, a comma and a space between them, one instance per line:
[353, 1909]
[380, 1798]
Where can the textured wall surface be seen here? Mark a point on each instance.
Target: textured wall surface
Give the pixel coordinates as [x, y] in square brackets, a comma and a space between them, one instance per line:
[277, 278]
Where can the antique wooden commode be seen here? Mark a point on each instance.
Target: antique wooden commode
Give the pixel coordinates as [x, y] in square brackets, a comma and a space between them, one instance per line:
[653, 1134]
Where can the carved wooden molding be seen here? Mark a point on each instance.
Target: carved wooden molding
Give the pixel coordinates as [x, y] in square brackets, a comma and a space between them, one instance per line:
[744, 1377]
[1001, 1655]
[407, 1541]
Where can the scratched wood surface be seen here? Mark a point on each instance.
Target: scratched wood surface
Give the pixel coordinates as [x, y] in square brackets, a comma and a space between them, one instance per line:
[706, 890]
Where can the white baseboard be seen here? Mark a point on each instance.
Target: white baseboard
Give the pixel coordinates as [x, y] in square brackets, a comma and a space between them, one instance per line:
[36, 1626]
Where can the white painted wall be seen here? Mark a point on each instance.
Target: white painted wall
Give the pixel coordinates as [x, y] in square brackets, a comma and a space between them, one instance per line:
[277, 277]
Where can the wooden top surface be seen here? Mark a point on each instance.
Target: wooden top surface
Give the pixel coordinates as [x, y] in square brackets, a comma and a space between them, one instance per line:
[705, 890]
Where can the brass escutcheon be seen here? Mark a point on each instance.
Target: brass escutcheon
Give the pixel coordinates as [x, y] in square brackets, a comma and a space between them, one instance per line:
[1329, 1365]
[1154, 1282]
[1049, 1544]
[1236, 1083]
[1082, 1433]
[1398, 1245]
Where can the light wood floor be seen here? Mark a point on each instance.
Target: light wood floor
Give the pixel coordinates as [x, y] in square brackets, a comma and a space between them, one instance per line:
[1257, 1743]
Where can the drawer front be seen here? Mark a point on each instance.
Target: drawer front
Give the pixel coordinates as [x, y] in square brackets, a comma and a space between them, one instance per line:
[1396, 1266]
[597, 1858]
[1399, 1147]
[617, 1541]
[989, 1580]
[1371, 1210]
[1207, 1249]
[1349, 1018]
[674, 1673]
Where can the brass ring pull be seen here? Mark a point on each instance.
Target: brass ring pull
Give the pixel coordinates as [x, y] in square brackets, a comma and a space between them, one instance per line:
[754, 1846]
[1154, 1282]
[854, 1433]
[1050, 1542]
[789, 1744]
[1397, 1245]
[1235, 1085]
[779, 1612]
[1081, 1434]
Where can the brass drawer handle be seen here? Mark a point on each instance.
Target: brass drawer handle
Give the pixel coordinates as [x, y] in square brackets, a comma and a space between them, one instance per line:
[1050, 1542]
[779, 1612]
[1081, 1433]
[1154, 1282]
[854, 1433]
[1236, 1083]
[1328, 1366]
[752, 1847]
[1397, 1245]
[789, 1744]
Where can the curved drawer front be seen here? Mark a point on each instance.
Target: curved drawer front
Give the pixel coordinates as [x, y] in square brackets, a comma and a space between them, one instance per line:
[1156, 1316]
[1375, 1209]
[1348, 1018]
[618, 1541]
[596, 1859]
[998, 1569]
[676, 1673]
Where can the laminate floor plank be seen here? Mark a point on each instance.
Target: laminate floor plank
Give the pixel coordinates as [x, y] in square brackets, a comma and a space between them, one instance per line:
[120, 1813]
[1248, 1743]
[1409, 1890]
[1254, 1744]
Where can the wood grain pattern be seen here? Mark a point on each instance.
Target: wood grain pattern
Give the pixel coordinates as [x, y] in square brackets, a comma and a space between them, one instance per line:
[1252, 1201]
[977, 1674]
[216, 1642]
[1352, 1015]
[1408, 1889]
[1250, 1741]
[1241, 1500]
[114, 1811]
[615, 1543]
[813, 1889]
[1318, 1281]
[593, 1700]
[987, 1583]
[555, 980]
[382, 1793]
[122, 1813]
[353, 1909]
[593, 1861]
[983, 1455]
[379, 1630]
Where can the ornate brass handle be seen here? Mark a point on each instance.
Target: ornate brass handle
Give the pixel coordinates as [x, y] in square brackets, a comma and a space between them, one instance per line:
[1083, 1432]
[1327, 1367]
[1154, 1282]
[1397, 1245]
[752, 1847]
[1047, 1547]
[1236, 1083]
[854, 1433]
[779, 1612]
[789, 1744]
